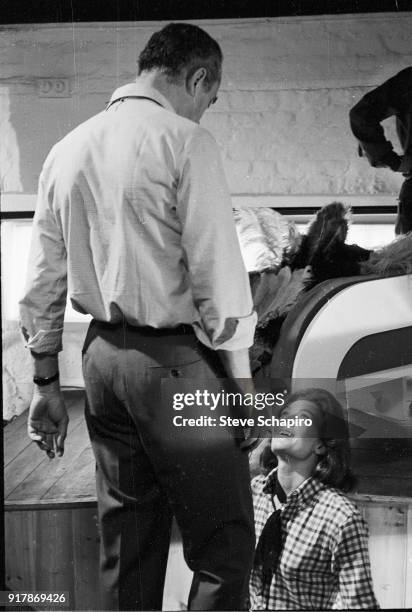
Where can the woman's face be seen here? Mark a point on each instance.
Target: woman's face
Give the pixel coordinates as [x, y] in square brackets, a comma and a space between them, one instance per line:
[300, 440]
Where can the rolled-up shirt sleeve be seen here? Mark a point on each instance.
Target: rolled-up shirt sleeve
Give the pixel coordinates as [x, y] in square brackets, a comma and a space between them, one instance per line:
[43, 304]
[218, 278]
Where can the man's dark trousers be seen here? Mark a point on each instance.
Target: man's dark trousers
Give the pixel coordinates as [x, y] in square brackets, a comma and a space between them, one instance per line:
[149, 470]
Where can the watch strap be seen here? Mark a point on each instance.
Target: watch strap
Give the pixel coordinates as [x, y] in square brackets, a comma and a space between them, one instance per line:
[42, 382]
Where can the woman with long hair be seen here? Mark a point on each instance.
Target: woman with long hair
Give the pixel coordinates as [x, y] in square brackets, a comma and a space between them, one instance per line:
[312, 550]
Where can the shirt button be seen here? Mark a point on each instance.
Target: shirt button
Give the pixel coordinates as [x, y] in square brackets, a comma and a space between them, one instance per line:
[175, 373]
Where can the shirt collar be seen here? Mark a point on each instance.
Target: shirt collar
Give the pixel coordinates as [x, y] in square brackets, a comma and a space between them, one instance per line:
[305, 492]
[301, 496]
[139, 90]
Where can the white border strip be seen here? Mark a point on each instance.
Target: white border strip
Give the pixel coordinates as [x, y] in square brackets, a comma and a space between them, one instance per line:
[25, 202]
[299, 201]
[17, 202]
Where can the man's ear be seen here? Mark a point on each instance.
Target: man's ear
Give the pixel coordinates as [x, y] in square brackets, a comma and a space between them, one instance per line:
[320, 448]
[195, 80]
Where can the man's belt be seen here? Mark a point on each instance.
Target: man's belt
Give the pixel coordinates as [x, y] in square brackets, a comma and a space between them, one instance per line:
[146, 330]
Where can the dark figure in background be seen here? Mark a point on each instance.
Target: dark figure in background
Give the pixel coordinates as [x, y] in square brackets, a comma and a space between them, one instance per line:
[134, 219]
[392, 98]
[312, 550]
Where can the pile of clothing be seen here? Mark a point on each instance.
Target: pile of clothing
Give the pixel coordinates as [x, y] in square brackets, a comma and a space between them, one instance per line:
[283, 264]
[264, 234]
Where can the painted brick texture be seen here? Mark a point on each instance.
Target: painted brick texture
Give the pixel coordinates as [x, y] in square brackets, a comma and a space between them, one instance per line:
[282, 115]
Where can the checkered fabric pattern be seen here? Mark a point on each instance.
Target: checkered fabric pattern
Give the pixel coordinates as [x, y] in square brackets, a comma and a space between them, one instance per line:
[324, 563]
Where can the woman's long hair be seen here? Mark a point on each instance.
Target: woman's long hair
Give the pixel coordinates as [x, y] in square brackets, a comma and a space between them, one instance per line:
[333, 468]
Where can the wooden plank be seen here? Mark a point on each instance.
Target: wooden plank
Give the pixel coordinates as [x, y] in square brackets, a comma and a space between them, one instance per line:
[14, 425]
[15, 437]
[22, 466]
[52, 504]
[373, 465]
[385, 475]
[41, 479]
[54, 552]
[82, 480]
[86, 559]
[387, 544]
[387, 485]
[389, 500]
[31, 461]
[20, 535]
[58, 550]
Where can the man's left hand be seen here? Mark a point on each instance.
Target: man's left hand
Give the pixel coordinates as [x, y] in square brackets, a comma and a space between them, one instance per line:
[48, 420]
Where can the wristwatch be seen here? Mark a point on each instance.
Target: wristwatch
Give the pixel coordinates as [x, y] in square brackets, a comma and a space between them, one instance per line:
[42, 382]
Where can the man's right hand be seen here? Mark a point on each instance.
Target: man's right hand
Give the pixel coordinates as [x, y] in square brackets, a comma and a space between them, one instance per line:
[237, 366]
[48, 420]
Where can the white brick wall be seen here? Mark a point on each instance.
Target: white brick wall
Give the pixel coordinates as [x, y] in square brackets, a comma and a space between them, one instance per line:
[282, 115]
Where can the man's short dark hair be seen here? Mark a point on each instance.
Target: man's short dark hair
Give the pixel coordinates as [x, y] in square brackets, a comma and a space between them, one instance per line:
[182, 45]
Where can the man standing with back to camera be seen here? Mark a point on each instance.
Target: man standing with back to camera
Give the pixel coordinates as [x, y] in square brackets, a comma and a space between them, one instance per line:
[134, 218]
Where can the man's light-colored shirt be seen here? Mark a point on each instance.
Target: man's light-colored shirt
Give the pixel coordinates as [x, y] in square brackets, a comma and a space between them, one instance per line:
[134, 220]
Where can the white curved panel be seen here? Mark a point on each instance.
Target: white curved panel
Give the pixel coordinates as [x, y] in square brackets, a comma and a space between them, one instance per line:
[355, 312]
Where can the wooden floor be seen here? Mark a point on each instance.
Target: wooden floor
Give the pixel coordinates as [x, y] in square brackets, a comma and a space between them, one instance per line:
[30, 477]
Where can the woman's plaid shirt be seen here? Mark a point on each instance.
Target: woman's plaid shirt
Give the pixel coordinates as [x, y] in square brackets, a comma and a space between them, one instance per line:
[324, 563]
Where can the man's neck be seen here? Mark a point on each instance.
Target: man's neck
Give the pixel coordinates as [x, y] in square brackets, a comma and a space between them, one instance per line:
[292, 473]
[156, 79]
